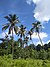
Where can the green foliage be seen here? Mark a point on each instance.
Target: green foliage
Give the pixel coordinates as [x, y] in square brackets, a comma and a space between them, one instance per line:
[7, 61]
[22, 53]
[17, 47]
[26, 52]
[43, 54]
[49, 53]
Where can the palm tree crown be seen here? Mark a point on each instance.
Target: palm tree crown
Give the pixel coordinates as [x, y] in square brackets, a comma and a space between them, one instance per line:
[13, 20]
[36, 28]
[22, 31]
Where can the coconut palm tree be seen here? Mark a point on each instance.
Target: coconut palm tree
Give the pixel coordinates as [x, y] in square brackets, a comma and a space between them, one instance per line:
[20, 42]
[26, 39]
[36, 28]
[22, 32]
[30, 33]
[13, 20]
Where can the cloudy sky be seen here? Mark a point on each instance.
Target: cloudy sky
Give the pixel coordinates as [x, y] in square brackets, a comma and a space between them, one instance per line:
[28, 11]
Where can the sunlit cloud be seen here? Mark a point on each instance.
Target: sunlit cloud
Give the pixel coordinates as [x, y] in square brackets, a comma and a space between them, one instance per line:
[42, 9]
[36, 40]
[48, 41]
[42, 35]
[40, 43]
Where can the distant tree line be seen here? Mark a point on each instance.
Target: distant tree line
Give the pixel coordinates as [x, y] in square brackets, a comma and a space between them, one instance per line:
[31, 51]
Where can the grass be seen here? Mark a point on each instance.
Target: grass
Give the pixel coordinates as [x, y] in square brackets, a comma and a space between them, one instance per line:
[7, 61]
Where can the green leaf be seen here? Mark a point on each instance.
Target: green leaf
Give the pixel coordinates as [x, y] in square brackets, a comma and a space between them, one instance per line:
[14, 17]
[6, 24]
[16, 29]
[38, 22]
[5, 27]
[9, 31]
[8, 18]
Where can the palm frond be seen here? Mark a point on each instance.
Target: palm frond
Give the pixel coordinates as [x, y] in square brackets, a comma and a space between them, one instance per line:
[8, 18]
[14, 17]
[6, 24]
[38, 22]
[9, 30]
[2, 39]
[5, 27]
[16, 29]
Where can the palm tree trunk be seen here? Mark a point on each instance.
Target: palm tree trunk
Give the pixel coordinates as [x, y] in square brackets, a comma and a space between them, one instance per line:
[40, 39]
[12, 45]
[31, 39]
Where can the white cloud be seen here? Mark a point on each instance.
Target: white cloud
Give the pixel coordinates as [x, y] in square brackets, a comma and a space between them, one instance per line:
[29, 1]
[43, 42]
[43, 27]
[40, 43]
[42, 35]
[2, 35]
[42, 9]
[35, 1]
[48, 41]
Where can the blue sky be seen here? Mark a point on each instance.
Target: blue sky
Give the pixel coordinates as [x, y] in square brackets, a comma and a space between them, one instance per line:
[28, 12]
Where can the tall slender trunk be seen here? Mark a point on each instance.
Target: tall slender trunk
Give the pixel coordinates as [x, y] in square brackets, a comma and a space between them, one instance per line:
[31, 39]
[40, 39]
[12, 44]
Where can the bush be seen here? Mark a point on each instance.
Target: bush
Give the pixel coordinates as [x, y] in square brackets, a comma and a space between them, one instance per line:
[6, 61]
